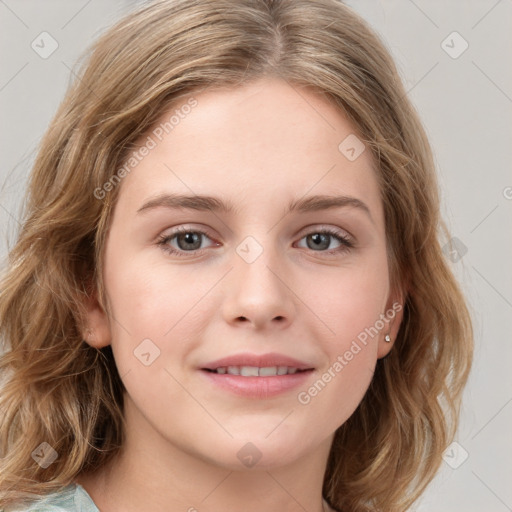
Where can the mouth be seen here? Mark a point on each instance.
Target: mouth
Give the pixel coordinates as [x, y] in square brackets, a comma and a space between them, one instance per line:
[255, 371]
[257, 376]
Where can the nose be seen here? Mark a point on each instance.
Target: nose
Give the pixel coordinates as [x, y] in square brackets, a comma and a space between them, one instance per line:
[258, 294]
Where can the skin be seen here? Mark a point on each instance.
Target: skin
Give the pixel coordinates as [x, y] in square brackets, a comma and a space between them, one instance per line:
[259, 146]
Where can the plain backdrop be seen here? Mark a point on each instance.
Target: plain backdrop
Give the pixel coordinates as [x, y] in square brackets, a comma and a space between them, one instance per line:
[455, 60]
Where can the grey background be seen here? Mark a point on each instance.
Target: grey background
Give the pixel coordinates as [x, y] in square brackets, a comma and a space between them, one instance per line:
[465, 104]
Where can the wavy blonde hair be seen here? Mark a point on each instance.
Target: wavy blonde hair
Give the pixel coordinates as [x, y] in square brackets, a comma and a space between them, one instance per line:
[58, 389]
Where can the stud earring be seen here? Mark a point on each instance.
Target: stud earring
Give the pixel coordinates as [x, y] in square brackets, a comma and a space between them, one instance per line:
[387, 338]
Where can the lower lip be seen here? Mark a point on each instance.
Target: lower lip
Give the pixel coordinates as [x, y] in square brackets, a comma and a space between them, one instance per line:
[257, 387]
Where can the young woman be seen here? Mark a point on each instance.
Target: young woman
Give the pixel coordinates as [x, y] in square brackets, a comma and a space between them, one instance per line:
[228, 291]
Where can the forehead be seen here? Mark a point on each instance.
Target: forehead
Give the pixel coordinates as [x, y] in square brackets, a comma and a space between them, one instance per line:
[265, 140]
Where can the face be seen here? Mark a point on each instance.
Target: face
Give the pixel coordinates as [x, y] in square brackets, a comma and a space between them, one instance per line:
[244, 282]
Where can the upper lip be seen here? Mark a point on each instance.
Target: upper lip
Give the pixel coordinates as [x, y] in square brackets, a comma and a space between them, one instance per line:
[261, 361]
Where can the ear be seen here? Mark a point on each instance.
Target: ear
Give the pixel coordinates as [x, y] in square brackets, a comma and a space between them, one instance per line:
[97, 329]
[393, 314]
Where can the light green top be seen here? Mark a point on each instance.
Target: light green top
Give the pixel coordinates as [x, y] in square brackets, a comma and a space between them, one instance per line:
[72, 498]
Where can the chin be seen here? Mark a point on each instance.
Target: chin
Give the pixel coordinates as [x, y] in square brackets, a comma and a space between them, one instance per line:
[260, 451]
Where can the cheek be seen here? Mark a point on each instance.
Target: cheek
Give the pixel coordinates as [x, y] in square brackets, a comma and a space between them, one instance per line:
[156, 304]
[351, 299]
[350, 302]
[351, 306]
[338, 389]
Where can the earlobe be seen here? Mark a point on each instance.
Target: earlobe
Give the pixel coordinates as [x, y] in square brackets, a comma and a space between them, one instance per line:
[385, 345]
[394, 315]
[96, 338]
[97, 330]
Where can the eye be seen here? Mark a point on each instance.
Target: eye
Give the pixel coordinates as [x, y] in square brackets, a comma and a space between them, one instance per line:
[187, 241]
[321, 240]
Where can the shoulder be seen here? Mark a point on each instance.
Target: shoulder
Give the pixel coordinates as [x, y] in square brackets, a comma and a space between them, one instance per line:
[72, 498]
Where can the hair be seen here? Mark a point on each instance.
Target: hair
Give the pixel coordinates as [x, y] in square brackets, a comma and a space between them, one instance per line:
[60, 390]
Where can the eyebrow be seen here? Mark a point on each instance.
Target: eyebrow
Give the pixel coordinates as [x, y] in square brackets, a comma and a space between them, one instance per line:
[205, 203]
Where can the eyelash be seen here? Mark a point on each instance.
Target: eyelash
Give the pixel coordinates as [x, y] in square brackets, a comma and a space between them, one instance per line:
[346, 243]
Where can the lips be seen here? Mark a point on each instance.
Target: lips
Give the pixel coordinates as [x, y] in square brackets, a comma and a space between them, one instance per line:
[258, 361]
[257, 376]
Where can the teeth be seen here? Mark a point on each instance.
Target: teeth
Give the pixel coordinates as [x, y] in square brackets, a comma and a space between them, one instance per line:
[269, 371]
[249, 371]
[255, 371]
